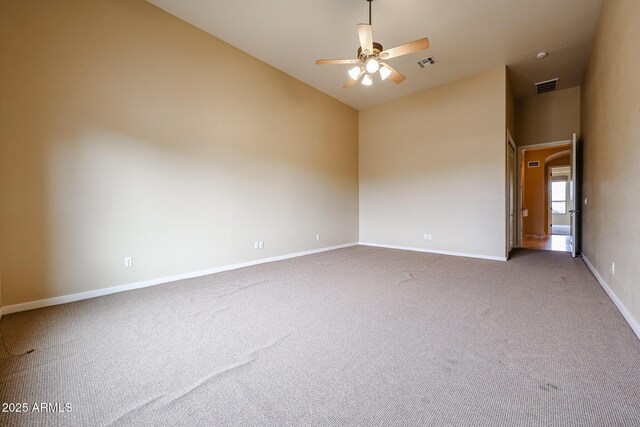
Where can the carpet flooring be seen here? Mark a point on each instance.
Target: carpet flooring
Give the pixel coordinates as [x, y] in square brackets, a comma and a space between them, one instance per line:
[357, 336]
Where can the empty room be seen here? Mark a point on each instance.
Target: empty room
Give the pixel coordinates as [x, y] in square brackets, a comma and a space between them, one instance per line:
[312, 213]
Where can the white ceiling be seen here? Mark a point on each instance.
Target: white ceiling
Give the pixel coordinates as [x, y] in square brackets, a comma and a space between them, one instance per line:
[467, 37]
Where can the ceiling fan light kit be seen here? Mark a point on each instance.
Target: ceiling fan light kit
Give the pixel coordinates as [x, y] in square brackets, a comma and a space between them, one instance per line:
[384, 72]
[354, 72]
[369, 55]
[372, 65]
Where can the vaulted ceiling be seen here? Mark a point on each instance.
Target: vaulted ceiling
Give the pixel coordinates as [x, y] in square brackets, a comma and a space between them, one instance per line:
[467, 37]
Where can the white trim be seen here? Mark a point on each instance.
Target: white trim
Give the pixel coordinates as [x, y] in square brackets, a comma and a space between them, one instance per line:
[146, 283]
[546, 145]
[635, 326]
[510, 141]
[434, 251]
[574, 217]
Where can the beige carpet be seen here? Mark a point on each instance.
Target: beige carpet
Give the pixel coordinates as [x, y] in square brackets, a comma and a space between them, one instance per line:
[359, 336]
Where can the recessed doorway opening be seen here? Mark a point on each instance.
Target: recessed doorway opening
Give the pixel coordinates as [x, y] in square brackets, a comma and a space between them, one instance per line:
[559, 220]
[546, 198]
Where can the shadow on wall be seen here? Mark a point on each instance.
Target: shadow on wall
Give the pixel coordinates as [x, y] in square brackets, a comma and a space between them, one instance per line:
[137, 143]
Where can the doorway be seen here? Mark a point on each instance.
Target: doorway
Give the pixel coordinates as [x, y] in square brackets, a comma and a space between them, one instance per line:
[546, 196]
[559, 215]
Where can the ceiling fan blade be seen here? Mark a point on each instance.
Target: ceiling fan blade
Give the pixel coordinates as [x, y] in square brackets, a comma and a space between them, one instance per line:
[395, 75]
[405, 49]
[366, 38]
[337, 61]
[350, 83]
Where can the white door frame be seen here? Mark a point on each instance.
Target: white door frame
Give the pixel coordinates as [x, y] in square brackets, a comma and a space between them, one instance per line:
[575, 202]
[549, 191]
[511, 235]
[519, 166]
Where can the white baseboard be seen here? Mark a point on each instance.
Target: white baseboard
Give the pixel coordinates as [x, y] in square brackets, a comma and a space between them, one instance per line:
[146, 283]
[635, 326]
[433, 251]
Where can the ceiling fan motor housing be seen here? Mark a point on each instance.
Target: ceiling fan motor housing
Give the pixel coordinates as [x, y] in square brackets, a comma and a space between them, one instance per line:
[377, 48]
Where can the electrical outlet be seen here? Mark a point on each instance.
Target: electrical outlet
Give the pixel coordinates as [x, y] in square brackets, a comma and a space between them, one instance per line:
[256, 245]
[317, 237]
[613, 268]
[128, 262]
[260, 244]
[427, 237]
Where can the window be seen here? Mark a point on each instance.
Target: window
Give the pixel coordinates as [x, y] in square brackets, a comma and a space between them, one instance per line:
[559, 197]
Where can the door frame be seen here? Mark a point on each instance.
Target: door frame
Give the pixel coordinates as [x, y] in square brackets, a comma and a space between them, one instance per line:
[519, 168]
[576, 196]
[549, 191]
[510, 238]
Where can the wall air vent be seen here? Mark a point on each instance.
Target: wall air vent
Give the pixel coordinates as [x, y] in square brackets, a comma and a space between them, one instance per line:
[427, 62]
[547, 86]
[533, 164]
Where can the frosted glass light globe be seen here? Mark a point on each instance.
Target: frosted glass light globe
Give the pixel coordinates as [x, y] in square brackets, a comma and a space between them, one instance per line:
[354, 73]
[372, 65]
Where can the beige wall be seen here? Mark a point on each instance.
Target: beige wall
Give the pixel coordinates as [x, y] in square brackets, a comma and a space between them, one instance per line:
[553, 116]
[1, 231]
[127, 132]
[611, 132]
[434, 162]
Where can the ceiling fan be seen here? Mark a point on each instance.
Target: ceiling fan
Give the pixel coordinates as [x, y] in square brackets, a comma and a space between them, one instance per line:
[370, 56]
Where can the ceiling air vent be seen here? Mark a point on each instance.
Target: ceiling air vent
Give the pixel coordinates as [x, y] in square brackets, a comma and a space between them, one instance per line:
[427, 62]
[547, 86]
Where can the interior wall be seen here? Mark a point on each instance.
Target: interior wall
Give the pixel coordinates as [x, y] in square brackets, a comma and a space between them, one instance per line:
[1, 232]
[611, 132]
[127, 132]
[549, 117]
[564, 160]
[535, 191]
[434, 163]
